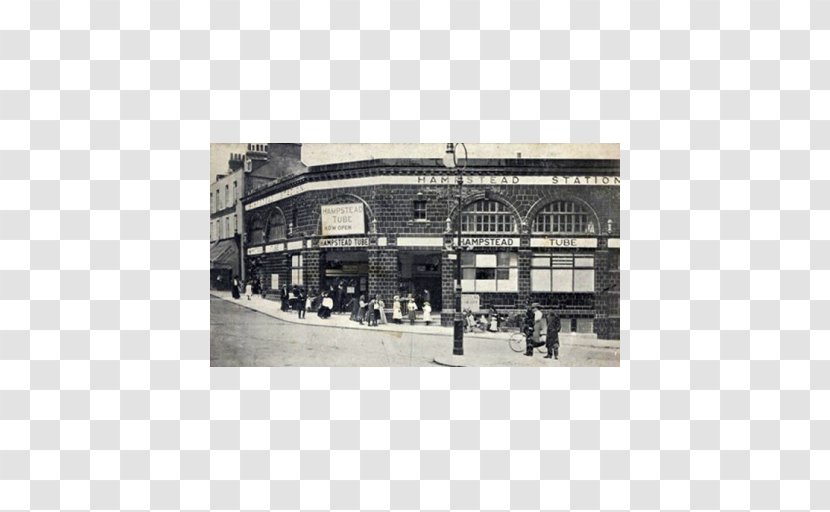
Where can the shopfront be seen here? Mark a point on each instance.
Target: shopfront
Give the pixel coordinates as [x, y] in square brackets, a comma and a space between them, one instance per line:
[531, 231]
[349, 268]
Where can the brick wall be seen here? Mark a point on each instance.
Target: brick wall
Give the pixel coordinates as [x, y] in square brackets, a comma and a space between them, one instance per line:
[383, 272]
[311, 270]
[392, 207]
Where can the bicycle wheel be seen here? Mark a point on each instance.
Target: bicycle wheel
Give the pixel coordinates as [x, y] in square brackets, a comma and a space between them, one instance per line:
[517, 342]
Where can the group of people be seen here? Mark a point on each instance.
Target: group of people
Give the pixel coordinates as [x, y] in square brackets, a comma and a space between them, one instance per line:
[237, 287]
[485, 323]
[541, 329]
[297, 299]
[372, 310]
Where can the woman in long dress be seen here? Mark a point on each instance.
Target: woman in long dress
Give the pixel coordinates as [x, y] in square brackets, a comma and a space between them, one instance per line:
[382, 311]
[427, 312]
[361, 313]
[235, 287]
[397, 316]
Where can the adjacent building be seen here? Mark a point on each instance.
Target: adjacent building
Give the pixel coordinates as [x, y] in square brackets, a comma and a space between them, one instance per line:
[532, 230]
[260, 165]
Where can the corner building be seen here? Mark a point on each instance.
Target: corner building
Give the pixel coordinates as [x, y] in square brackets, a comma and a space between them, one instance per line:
[533, 230]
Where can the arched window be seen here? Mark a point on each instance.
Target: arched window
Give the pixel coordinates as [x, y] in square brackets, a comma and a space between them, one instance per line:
[487, 216]
[256, 234]
[276, 226]
[563, 217]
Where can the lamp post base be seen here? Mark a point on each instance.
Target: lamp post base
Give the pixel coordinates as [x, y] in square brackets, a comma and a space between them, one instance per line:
[458, 336]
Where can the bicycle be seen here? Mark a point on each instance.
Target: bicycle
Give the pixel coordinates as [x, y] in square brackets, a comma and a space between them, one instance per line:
[517, 343]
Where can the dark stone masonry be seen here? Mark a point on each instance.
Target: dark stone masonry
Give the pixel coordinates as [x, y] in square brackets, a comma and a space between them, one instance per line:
[543, 231]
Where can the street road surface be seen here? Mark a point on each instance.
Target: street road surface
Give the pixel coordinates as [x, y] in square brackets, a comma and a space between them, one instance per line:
[242, 337]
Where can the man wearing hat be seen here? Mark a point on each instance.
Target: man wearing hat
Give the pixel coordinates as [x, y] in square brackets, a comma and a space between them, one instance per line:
[554, 325]
[533, 328]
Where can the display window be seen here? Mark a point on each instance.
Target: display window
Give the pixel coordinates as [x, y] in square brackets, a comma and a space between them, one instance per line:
[562, 272]
[497, 272]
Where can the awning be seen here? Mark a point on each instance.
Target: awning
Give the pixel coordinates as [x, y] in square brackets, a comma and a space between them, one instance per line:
[224, 254]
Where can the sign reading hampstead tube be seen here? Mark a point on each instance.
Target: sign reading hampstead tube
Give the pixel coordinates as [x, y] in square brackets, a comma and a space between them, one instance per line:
[342, 219]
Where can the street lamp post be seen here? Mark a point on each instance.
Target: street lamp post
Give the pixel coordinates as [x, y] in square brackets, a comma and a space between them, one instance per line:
[451, 162]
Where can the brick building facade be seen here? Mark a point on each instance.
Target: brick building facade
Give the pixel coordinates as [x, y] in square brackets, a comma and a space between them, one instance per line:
[533, 230]
[259, 166]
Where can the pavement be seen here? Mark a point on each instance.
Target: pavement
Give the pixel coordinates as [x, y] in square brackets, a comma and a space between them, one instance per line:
[382, 345]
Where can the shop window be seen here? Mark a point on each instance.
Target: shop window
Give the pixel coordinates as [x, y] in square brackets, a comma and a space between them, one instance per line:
[276, 226]
[490, 272]
[256, 235]
[297, 270]
[419, 210]
[562, 273]
[487, 216]
[564, 217]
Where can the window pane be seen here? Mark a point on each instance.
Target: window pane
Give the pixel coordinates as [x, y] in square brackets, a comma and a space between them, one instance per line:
[540, 280]
[468, 273]
[511, 284]
[586, 262]
[502, 274]
[485, 260]
[562, 280]
[468, 259]
[503, 259]
[541, 262]
[468, 285]
[485, 273]
[485, 285]
[583, 280]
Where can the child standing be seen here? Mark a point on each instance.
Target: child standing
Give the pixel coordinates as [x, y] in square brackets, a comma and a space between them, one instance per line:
[249, 289]
[427, 313]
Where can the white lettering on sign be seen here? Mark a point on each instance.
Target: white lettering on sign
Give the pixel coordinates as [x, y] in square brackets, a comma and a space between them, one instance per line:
[255, 250]
[373, 181]
[342, 219]
[563, 243]
[613, 243]
[489, 242]
[344, 242]
[274, 248]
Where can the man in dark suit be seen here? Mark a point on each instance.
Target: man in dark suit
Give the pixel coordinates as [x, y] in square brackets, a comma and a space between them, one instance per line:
[339, 297]
[554, 325]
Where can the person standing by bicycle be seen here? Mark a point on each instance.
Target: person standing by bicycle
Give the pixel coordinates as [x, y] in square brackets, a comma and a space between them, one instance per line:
[552, 344]
[536, 327]
[527, 330]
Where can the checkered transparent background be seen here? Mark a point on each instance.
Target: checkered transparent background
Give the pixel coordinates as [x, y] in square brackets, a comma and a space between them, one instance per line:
[106, 114]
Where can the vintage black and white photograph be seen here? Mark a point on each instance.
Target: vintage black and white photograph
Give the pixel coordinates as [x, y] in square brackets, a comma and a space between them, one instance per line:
[414, 254]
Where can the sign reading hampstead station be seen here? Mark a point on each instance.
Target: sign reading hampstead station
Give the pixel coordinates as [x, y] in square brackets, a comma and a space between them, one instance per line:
[521, 180]
[429, 180]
